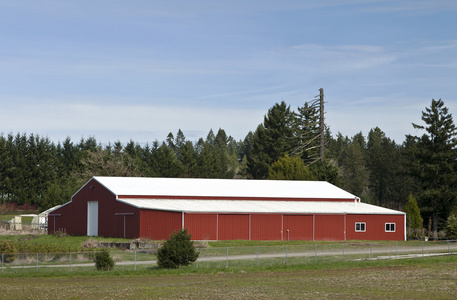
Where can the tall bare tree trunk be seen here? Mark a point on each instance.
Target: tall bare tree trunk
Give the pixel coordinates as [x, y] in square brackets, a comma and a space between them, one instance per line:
[321, 125]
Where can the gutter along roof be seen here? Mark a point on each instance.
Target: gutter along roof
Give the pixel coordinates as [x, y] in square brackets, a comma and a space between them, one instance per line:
[250, 206]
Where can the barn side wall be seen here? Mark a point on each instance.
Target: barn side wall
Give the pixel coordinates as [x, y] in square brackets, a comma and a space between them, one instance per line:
[233, 227]
[202, 227]
[375, 227]
[115, 219]
[291, 227]
[298, 227]
[158, 225]
[266, 227]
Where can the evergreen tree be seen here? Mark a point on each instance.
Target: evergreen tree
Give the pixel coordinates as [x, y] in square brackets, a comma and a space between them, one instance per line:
[177, 251]
[244, 147]
[188, 159]
[413, 216]
[326, 170]
[290, 168]
[207, 161]
[167, 163]
[355, 174]
[307, 133]
[272, 139]
[384, 165]
[336, 147]
[434, 164]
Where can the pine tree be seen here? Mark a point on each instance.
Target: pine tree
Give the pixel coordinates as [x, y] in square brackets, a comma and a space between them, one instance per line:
[384, 166]
[434, 164]
[355, 174]
[177, 251]
[290, 168]
[307, 133]
[272, 139]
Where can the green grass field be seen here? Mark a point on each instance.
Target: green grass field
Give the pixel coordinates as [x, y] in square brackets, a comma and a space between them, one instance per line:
[321, 277]
[421, 278]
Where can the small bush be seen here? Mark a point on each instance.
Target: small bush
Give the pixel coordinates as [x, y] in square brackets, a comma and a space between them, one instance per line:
[451, 227]
[9, 251]
[104, 261]
[60, 234]
[177, 251]
[90, 244]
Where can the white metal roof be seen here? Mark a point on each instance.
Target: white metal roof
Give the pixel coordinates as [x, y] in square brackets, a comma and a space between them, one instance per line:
[142, 186]
[248, 206]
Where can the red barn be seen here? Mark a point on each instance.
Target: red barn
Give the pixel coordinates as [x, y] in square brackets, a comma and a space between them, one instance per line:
[223, 209]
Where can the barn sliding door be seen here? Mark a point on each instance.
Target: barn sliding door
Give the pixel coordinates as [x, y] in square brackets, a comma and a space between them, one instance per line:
[92, 218]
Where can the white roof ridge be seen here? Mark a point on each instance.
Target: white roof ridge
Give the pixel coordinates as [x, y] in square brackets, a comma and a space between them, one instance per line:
[241, 188]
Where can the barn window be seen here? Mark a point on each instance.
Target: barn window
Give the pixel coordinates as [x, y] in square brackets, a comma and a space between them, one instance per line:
[390, 227]
[360, 227]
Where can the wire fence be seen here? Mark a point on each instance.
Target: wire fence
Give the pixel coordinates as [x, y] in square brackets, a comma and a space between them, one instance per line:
[232, 257]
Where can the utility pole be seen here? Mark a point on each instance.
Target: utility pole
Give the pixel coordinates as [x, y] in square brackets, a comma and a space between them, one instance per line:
[321, 125]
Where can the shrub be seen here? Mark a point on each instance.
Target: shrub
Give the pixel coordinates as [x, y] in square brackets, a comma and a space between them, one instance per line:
[451, 227]
[9, 251]
[413, 216]
[104, 261]
[60, 234]
[177, 251]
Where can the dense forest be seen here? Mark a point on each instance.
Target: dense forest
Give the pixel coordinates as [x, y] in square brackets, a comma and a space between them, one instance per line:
[35, 171]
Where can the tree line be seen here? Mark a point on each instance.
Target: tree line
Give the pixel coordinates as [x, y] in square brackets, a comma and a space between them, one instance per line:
[37, 171]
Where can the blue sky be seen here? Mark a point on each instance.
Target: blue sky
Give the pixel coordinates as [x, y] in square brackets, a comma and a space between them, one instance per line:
[121, 70]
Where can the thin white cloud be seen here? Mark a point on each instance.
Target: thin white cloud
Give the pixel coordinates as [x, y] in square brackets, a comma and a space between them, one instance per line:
[339, 58]
[112, 122]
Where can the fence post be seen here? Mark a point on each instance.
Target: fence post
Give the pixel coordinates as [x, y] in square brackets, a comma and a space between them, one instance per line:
[257, 255]
[449, 247]
[70, 261]
[37, 262]
[422, 248]
[2, 261]
[286, 254]
[371, 251]
[396, 249]
[226, 261]
[315, 252]
[343, 251]
[135, 259]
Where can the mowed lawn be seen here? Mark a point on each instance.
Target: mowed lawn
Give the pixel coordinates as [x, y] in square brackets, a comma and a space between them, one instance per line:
[426, 278]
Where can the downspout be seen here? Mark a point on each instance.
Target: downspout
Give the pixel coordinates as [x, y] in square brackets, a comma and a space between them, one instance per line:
[404, 228]
[314, 226]
[249, 226]
[345, 225]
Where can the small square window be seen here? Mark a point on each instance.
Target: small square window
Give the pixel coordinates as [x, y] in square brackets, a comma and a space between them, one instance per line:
[390, 227]
[359, 227]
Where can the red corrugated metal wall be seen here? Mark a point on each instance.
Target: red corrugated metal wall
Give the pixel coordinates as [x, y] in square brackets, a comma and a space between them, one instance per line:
[124, 228]
[73, 216]
[201, 226]
[233, 227]
[300, 227]
[266, 227]
[329, 228]
[158, 225]
[351, 234]
[375, 227]
[116, 219]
